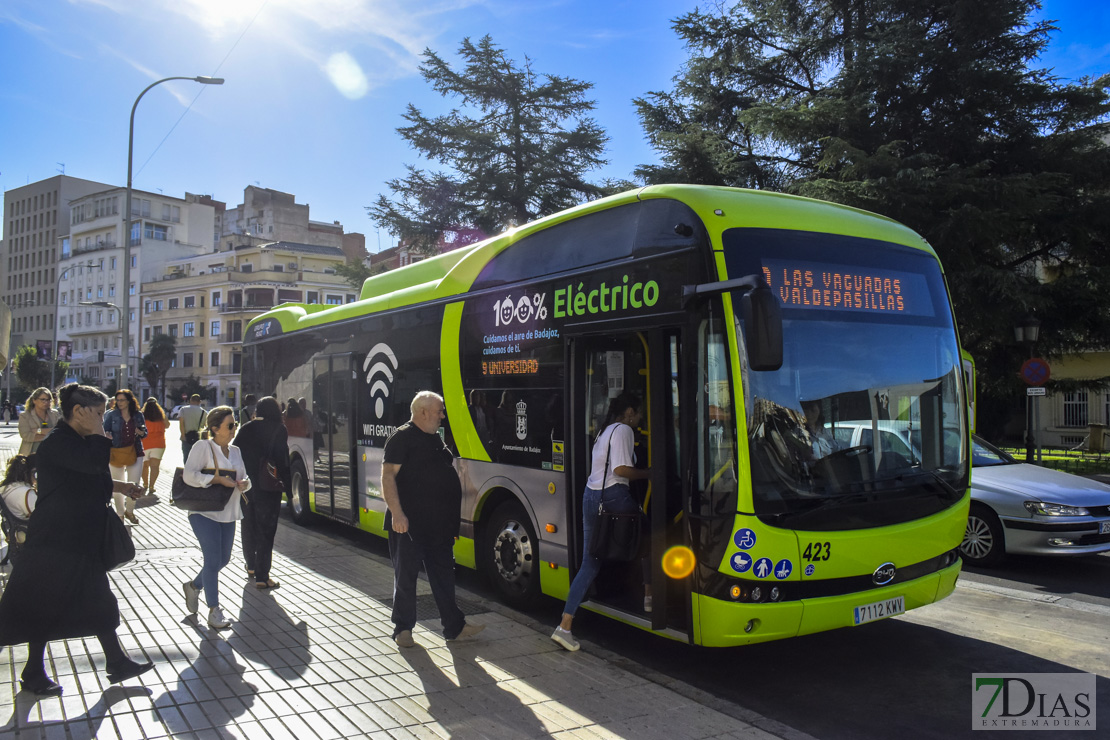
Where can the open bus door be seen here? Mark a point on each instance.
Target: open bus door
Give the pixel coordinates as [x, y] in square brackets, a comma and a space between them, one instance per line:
[645, 362]
[333, 426]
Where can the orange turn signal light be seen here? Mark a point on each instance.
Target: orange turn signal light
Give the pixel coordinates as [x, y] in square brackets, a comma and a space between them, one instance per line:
[679, 561]
[551, 528]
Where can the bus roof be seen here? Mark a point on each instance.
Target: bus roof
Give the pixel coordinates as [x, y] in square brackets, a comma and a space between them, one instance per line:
[453, 273]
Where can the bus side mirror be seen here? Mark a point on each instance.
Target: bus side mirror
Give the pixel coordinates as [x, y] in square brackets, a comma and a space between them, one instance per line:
[763, 319]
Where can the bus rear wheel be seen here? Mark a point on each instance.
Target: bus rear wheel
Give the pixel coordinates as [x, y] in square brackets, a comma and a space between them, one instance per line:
[509, 555]
[298, 497]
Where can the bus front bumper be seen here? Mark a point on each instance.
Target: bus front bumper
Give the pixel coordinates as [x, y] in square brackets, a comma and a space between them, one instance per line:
[725, 623]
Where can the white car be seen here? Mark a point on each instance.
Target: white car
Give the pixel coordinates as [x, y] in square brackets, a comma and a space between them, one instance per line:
[1027, 509]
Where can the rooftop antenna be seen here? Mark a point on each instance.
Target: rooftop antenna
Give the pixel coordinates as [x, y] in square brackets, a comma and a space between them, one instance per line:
[63, 166]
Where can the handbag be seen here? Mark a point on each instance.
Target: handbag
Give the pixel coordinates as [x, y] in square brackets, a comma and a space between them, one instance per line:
[201, 498]
[123, 457]
[117, 547]
[268, 477]
[616, 535]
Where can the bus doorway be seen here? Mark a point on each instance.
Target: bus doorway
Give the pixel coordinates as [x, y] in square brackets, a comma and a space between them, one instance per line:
[333, 436]
[646, 363]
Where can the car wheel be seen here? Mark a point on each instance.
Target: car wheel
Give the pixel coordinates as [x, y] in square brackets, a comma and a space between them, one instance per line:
[298, 497]
[984, 544]
[509, 555]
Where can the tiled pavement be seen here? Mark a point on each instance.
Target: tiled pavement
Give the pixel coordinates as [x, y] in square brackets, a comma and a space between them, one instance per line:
[314, 659]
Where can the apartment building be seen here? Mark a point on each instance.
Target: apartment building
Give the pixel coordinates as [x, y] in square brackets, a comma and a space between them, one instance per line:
[90, 270]
[35, 218]
[205, 302]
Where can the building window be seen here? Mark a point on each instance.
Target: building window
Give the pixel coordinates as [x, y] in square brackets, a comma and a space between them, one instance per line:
[248, 267]
[1075, 409]
[333, 300]
[113, 263]
[131, 289]
[190, 301]
[188, 329]
[214, 359]
[157, 232]
[157, 330]
[173, 330]
[215, 298]
[215, 329]
[146, 334]
[187, 359]
[172, 304]
[111, 291]
[100, 291]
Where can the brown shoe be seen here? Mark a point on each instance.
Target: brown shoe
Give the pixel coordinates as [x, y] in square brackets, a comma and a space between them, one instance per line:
[130, 516]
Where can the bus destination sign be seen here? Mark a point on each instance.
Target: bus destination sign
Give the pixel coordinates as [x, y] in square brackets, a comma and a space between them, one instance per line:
[807, 284]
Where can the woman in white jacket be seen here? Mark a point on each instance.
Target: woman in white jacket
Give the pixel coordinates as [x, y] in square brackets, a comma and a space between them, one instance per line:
[211, 461]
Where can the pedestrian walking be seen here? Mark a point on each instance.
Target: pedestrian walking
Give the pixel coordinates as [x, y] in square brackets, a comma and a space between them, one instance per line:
[215, 460]
[263, 442]
[154, 448]
[613, 466]
[424, 497]
[59, 590]
[190, 421]
[37, 419]
[127, 427]
[250, 402]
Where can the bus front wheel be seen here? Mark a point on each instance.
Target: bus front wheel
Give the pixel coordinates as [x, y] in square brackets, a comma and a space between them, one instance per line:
[298, 497]
[509, 555]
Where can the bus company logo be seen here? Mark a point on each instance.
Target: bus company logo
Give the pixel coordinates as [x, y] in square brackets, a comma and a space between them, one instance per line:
[379, 366]
[1033, 701]
[884, 574]
[521, 421]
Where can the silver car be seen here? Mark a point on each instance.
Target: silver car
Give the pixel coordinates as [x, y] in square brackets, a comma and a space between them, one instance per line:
[1027, 509]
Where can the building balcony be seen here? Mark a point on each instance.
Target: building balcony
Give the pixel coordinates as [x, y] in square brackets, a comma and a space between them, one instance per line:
[245, 307]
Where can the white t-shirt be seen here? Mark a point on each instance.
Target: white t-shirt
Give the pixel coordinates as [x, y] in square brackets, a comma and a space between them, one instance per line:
[20, 498]
[200, 457]
[620, 452]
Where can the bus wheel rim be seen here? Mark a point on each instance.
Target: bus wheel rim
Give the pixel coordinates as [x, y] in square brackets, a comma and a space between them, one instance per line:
[294, 497]
[512, 553]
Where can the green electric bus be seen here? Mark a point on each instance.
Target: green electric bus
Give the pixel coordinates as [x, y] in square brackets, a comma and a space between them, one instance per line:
[775, 340]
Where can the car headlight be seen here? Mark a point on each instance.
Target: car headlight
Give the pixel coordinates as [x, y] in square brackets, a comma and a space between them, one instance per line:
[1047, 509]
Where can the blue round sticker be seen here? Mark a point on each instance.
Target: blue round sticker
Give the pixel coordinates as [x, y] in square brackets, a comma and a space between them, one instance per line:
[741, 562]
[762, 568]
[783, 568]
[810, 569]
[744, 539]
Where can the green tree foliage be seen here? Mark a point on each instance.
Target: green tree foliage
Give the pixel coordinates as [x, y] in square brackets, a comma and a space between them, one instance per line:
[355, 273]
[155, 364]
[35, 373]
[182, 388]
[522, 153]
[927, 111]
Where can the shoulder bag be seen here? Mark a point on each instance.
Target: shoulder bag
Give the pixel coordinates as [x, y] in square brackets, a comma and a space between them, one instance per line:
[117, 547]
[269, 478]
[616, 535]
[206, 498]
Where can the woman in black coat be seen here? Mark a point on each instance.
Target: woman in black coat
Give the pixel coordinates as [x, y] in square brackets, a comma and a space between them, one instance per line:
[264, 437]
[59, 589]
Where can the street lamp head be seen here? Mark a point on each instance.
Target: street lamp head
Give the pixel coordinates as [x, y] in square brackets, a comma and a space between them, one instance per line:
[209, 80]
[1028, 330]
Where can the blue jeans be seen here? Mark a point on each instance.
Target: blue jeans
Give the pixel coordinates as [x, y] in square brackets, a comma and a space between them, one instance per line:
[216, 539]
[617, 498]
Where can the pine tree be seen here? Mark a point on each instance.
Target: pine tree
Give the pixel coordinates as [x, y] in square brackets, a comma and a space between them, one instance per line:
[522, 155]
[927, 111]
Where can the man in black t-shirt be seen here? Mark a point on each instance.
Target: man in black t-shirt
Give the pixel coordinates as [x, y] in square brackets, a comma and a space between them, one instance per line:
[424, 496]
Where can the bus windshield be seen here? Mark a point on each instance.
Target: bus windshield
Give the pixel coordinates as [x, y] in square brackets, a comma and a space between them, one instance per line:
[864, 423]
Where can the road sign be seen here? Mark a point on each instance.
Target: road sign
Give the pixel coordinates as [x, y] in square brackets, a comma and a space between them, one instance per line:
[1035, 391]
[1035, 371]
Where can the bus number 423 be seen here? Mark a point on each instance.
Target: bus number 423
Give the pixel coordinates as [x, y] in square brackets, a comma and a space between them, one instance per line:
[817, 551]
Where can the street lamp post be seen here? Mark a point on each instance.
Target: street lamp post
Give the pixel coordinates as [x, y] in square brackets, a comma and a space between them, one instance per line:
[104, 304]
[57, 319]
[125, 312]
[1027, 332]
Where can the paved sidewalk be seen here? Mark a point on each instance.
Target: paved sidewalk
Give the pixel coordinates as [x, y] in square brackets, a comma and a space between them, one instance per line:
[314, 659]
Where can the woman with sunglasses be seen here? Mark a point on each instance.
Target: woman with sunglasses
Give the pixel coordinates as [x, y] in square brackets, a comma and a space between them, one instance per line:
[37, 420]
[214, 460]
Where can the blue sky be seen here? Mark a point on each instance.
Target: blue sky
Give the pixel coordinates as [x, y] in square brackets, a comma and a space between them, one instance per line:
[315, 88]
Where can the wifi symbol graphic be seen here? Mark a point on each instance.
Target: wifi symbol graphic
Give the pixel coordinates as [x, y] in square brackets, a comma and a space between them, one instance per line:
[379, 374]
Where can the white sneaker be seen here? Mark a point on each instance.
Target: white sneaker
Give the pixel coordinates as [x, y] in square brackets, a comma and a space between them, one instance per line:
[565, 638]
[192, 597]
[217, 620]
[647, 604]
